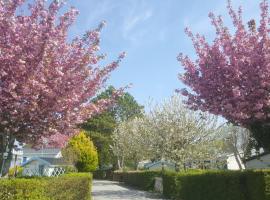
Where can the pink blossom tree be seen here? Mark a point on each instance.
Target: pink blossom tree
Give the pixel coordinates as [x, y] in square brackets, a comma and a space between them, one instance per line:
[231, 76]
[46, 82]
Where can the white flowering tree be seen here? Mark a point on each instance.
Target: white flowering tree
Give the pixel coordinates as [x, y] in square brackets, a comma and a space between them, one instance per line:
[169, 131]
[182, 135]
[131, 142]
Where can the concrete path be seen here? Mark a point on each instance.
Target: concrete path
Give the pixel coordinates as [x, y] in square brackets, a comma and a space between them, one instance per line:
[108, 190]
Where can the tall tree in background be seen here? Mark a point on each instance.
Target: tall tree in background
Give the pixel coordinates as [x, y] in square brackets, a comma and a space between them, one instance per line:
[171, 132]
[46, 82]
[231, 76]
[101, 127]
[131, 142]
[182, 135]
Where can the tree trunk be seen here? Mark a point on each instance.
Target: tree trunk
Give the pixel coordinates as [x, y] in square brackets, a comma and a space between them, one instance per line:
[7, 144]
[236, 153]
[15, 162]
[119, 164]
[242, 159]
[136, 163]
[184, 165]
[261, 133]
[237, 160]
[123, 163]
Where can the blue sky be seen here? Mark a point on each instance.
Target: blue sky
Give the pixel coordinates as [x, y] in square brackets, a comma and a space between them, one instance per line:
[151, 32]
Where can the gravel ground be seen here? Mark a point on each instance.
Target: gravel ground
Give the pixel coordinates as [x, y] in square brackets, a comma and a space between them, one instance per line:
[108, 190]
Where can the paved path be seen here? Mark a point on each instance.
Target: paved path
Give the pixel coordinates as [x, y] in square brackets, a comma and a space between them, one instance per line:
[108, 190]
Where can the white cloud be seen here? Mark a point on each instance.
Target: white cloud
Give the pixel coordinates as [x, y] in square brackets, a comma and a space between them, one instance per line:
[133, 20]
[202, 24]
[101, 9]
[134, 17]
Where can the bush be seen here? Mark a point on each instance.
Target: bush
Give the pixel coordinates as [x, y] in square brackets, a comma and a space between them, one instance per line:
[99, 174]
[70, 169]
[267, 183]
[81, 151]
[103, 174]
[169, 184]
[203, 185]
[11, 171]
[213, 185]
[69, 187]
[143, 180]
[21, 189]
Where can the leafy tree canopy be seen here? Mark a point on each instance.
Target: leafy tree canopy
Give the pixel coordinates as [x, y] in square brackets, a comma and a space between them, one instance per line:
[101, 127]
[230, 77]
[46, 78]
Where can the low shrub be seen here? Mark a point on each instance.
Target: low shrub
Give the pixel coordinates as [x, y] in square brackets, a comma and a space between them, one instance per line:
[143, 180]
[203, 185]
[213, 185]
[69, 187]
[18, 169]
[73, 186]
[118, 176]
[103, 174]
[99, 174]
[21, 189]
[169, 184]
[70, 169]
[266, 174]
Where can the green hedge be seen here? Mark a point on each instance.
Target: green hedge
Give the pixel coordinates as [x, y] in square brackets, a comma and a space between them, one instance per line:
[143, 180]
[203, 185]
[217, 185]
[103, 174]
[267, 183]
[69, 187]
[169, 184]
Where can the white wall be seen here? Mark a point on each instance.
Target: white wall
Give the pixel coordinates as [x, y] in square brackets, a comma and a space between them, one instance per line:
[59, 155]
[19, 154]
[232, 163]
[29, 153]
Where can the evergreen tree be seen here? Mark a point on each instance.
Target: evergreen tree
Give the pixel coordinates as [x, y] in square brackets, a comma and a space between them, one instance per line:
[82, 153]
[101, 127]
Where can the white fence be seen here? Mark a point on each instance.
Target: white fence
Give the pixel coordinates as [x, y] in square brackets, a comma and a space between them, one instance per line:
[51, 172]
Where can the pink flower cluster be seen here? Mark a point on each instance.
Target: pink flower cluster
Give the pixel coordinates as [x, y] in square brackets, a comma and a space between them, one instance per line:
[46, 82]
[231, 76]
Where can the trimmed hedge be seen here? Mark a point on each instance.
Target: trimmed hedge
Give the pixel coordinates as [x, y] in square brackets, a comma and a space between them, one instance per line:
[169, 184]
[103, 174]
[11, 171]
[267, 183]
[221, 185]
[143, 180]
[69, 187]
[203, 185]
